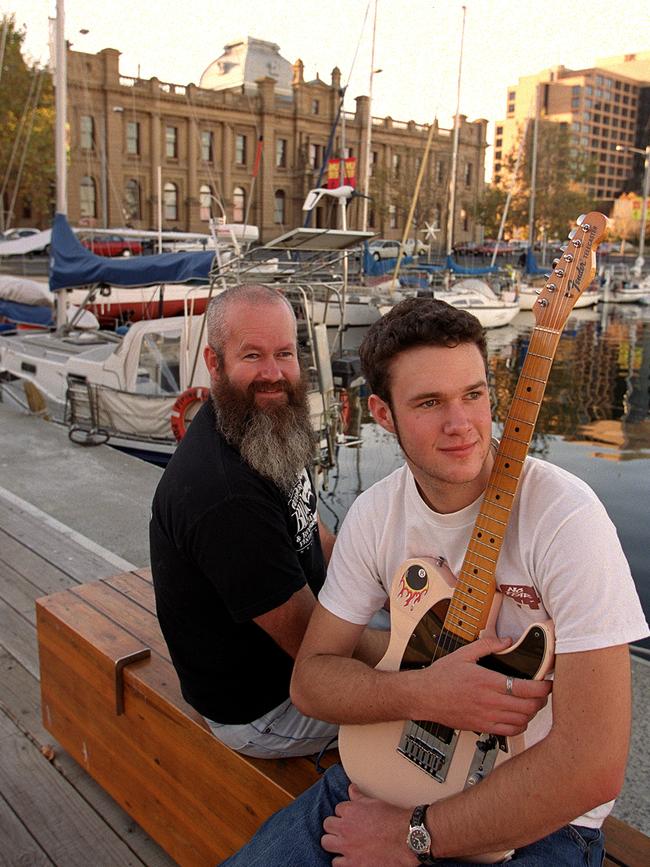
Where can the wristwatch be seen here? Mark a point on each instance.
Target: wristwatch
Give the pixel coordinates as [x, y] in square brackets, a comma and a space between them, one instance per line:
[418, 839]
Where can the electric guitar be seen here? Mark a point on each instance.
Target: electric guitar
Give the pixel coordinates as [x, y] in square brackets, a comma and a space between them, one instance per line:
[434, 613]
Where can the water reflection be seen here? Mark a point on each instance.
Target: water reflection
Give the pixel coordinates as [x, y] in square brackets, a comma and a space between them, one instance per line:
[594, 420]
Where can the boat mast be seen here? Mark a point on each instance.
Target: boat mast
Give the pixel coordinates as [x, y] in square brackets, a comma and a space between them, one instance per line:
[533, 175]
[60, 105]
[368, 153]
[454, 153]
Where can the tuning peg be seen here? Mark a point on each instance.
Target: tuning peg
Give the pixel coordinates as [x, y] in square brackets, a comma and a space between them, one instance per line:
[538, 291]
[563, 247]
[572, 234]
[546, 276]
[580, 219]
[556, 262]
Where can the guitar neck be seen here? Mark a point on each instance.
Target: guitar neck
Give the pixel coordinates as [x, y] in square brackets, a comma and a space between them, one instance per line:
[472, 598]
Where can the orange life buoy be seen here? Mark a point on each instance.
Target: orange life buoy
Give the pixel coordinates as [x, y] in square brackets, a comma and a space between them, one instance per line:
[346, 410]
[183, 402]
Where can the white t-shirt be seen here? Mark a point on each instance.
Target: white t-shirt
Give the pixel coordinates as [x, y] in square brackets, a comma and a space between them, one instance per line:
[561, 559]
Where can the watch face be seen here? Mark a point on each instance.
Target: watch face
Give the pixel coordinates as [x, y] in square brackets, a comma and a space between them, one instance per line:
[419, 840]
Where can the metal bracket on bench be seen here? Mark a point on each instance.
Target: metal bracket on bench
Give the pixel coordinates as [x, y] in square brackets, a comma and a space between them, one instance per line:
[120, 665]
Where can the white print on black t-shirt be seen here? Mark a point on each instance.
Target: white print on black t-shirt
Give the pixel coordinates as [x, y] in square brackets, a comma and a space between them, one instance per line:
[302, 506]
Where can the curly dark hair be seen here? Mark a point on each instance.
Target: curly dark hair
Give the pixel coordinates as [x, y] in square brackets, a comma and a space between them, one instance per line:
[415, 322]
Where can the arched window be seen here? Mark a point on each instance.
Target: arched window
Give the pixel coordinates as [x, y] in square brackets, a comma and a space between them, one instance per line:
[238, 204]
[205, 202]
[132, 200]
[88, 197]
[170, 201]
[279, 210]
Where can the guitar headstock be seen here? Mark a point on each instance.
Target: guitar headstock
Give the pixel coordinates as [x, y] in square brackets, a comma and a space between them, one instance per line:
[572, 272]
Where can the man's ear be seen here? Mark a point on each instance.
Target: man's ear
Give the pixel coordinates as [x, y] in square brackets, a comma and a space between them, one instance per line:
[381, 412]
[211, 361]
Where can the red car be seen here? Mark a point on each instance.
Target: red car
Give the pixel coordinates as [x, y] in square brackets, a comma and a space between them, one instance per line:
[112, 245]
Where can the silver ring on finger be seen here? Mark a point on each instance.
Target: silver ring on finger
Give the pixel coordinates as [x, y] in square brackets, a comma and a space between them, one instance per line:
[509, 685]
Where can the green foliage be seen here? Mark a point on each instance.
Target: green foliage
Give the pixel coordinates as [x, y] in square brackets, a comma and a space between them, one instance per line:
[26, 133]
[562, 171]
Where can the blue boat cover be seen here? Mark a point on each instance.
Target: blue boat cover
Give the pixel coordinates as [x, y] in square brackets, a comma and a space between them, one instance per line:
[377, 268]
[461, 269]
[26, 314]
[531, 264]
[73, 265]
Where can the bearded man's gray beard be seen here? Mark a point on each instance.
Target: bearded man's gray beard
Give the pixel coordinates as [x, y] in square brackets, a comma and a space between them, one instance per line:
[276, 441]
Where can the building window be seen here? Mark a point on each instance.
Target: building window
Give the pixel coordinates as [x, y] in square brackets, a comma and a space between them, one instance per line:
[374, 157]
[238, 204]
[281, 153]
[207, 150]
[315, 106]
[171, 144]
[392, 216]
[315, 156]
[205, 201]
[396, 164]
[132, 200]
[88, 197]
[240, 150]
[87, 133]
[279, 209]
[347, 153]
[468, 174]
[170, 200]
[132, 137]
[464, 219]
[440, 171]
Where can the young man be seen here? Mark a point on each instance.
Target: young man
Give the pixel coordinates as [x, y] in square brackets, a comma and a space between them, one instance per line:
[236, 552]
[426, 366]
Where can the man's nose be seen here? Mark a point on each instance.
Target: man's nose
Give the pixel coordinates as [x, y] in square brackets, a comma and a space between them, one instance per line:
[270, 370]
[456, 418]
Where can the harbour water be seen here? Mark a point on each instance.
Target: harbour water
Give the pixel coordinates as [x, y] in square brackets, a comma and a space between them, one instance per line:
[594, 421]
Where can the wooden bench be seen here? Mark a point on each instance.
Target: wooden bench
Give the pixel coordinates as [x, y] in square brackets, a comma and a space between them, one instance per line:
[111, 697]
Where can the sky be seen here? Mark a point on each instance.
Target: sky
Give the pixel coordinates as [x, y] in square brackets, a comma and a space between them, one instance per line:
[417, 43]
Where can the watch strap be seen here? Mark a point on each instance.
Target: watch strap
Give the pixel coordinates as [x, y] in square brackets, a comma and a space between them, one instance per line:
[417, 818]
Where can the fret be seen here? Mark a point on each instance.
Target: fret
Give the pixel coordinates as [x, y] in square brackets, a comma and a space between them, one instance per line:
[487, 526]
[505, 483]
[513, 450]
[474, 577]
[530, 354]
[468, 599]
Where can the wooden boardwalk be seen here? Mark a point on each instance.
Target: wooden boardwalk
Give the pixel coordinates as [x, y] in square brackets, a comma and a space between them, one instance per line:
[51, 811]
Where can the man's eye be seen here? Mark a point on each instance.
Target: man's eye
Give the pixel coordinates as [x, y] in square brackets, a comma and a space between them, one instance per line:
[428, 404]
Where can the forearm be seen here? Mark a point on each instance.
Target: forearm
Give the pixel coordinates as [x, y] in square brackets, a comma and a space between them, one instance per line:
[523, 800]
[355, 693]
[372, 646]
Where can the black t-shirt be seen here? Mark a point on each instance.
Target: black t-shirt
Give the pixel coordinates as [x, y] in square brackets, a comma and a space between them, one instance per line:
[227, 546]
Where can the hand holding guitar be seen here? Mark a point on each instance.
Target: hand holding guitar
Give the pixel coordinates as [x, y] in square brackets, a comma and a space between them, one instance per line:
[456, 692]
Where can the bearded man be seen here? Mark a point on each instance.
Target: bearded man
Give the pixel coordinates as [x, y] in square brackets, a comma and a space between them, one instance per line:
[237, 552]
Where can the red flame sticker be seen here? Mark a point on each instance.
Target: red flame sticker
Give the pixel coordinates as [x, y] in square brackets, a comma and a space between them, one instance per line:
[414, 584]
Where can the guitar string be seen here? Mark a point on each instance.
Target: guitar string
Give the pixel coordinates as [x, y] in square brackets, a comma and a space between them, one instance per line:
[446, 642]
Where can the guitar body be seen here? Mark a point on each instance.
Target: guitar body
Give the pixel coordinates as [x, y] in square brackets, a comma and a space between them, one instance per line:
[409, 763]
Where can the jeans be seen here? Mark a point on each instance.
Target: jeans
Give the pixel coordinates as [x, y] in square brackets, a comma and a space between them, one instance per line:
[291, 838]
[278, 734]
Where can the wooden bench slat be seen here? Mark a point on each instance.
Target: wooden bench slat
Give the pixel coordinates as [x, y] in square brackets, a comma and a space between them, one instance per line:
[625, 845]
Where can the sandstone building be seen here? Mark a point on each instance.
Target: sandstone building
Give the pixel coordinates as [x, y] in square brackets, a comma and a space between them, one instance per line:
[249, 142]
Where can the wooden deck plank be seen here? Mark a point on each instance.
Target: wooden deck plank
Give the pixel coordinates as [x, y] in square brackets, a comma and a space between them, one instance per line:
[18, 845]
[53, 546]
[59, 819]
[18, 637]
[32, 567]
[18, 593]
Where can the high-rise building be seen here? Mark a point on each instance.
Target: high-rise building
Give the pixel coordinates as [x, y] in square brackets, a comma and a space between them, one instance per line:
[603, 107]
[252, 136]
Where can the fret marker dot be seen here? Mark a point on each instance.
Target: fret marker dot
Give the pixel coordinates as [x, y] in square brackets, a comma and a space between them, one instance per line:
[492, 541]
[498, 497]
[507, 466]
[516, 430]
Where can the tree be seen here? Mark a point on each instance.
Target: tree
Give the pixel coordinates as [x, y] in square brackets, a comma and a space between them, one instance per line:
[26, 133]
[394, 187]
[560, 180]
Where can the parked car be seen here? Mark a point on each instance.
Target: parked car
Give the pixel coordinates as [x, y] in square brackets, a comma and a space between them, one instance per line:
[112, 245]
[382, 248]
[466, 248]
[487, 248]
[14, 234]
[21, 233]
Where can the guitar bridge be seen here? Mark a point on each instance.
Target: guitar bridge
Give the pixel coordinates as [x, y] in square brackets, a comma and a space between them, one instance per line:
[430, 753]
